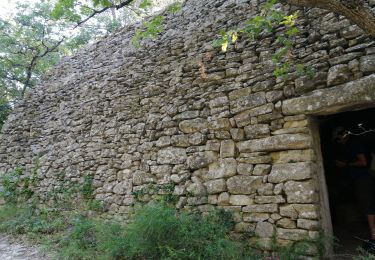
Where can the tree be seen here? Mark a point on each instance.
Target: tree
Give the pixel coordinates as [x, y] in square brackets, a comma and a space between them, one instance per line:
[31, 42]
[357, 11]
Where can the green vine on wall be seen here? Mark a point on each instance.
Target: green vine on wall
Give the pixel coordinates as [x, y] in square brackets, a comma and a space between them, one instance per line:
[269, 19]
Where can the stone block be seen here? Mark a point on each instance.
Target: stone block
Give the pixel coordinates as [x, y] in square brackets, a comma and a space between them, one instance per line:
[291, 171]
[296, 124]
[171, 155]
[293, 156]
[300, 192]
[196, 188]
[224, 168]
[193, 126]
[201, 160]
[244, 118]
[240, 200]
[257, 131]
[237, 134]
[223, 199]
[338, 74]
[261, 169]
[367, 64]
[292, 234]
[264, 230]
[247, 102]
[244, 184]
[261, 208]
[276, 143]
[215, 186]
[227, 149]
[286, 223]
[219, 124]
[308, 224]
[269, 199]
[266, 189]
[197, 139]
[255, 217]
[245, 168]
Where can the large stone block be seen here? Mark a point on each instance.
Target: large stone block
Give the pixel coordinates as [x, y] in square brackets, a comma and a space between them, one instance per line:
[338, 74]
[224, 168]
[247, 102]
[244, 184]
[333, 100]
[261, 208]
[227, 149]
[244, 118]
[171, 155]
[290, 171]
[292, 234]
[293, 156]
[257, 131]
[200, 159]
[264, 229]
[193, 126]
[367, 64]
[240, 200]
[300, 192]
[276, 143]
[215, 186]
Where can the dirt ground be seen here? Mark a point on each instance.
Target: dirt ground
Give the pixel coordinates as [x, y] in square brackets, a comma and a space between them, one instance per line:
[11, 249]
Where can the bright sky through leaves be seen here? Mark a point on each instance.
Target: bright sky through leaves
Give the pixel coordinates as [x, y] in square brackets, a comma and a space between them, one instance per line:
[8, 6]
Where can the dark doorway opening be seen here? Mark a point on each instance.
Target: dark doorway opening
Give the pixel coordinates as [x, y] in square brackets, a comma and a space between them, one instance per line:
[348, 220]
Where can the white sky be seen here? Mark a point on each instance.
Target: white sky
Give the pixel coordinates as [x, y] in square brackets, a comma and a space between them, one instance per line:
[8, 6]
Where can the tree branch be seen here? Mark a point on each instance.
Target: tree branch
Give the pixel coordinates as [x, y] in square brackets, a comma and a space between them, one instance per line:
[353, 10]
[96, 12]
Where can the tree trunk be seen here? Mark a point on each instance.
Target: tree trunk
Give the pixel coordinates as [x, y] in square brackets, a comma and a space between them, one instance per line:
[353, 10]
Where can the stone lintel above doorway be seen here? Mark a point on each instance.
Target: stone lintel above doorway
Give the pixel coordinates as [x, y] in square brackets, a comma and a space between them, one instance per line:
[353, 95]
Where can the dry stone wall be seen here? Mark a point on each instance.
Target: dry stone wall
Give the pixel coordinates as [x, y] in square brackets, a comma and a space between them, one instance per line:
[218, 126]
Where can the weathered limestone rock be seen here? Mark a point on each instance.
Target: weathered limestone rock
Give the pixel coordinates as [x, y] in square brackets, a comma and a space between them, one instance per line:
[216, 186]
[223, 199]
[294, 211]
[286, 223]
[331, 100]
[244, 118]
[243, 184]
[255, 217]
[193, 126]
[262, 169]
[290, 171]
[200, 160]
[262, 208]
[219, 124]
[338, 74]
[300, 192]
[367, 64]
[247, 102]
[226, 167]
[257, 131]
[227, 149]
[171, 155]
[122, 188]
[264, 229]
[308, 224]
[275, 143]
[245, 168]
[292, 234]
[269, 199]
[196, 188]
[197, 139]
[293, 156]
[240, 200]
